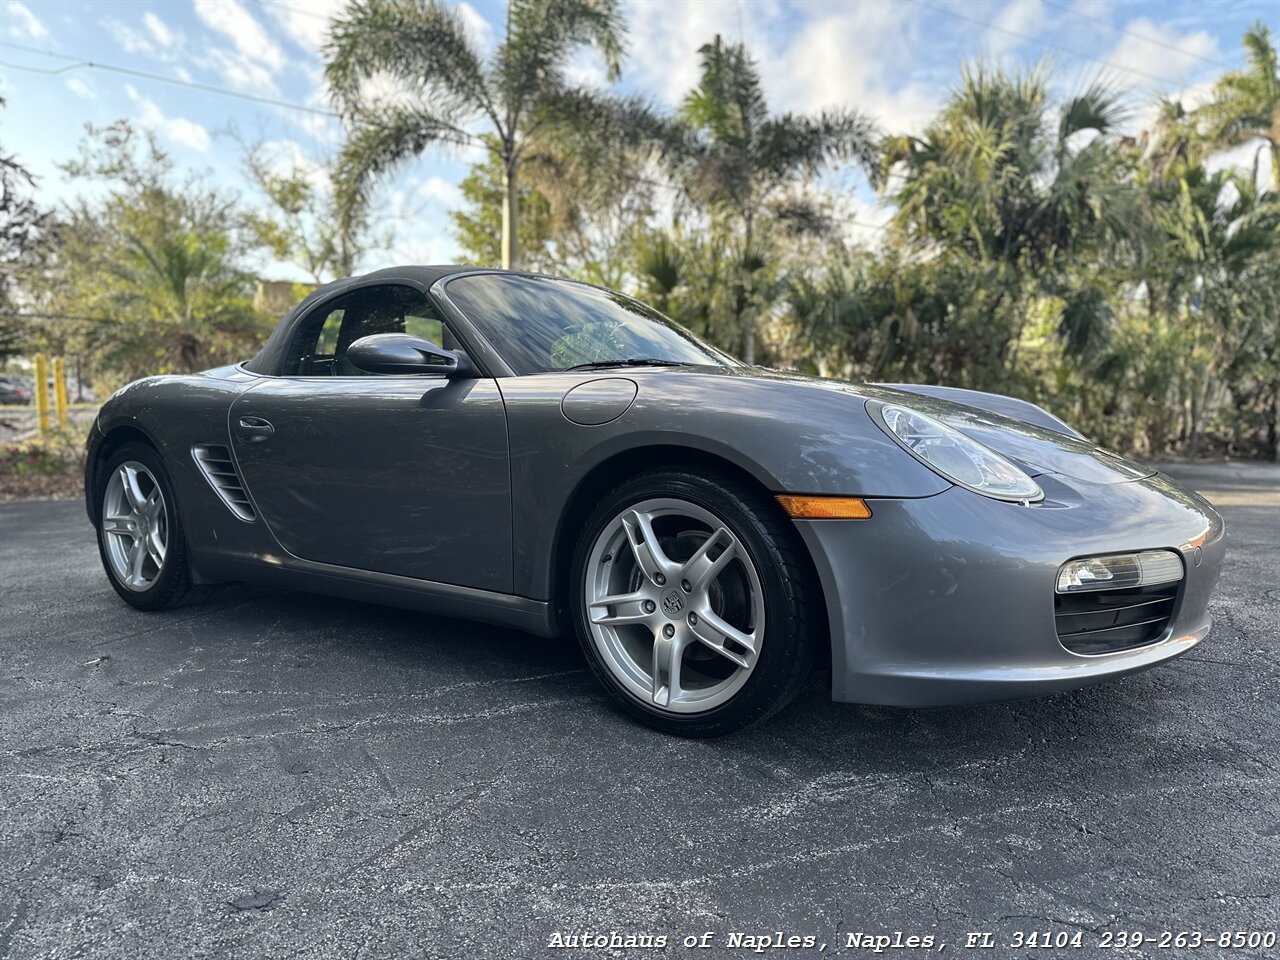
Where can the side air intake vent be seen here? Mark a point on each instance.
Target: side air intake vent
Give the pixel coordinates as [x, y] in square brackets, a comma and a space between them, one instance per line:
[214, 461]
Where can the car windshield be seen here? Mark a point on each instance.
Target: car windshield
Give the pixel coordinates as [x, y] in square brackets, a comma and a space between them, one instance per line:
[540, 325]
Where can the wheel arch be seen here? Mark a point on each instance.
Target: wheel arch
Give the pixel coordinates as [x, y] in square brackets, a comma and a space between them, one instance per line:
[107, 443]
[611, 471]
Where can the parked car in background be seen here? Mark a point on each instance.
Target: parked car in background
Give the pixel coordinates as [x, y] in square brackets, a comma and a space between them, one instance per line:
[16, 390]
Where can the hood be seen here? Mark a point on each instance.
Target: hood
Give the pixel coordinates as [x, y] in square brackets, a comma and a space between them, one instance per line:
[1036, 448]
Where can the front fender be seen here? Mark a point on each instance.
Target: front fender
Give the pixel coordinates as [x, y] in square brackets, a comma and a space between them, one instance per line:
[788, 435]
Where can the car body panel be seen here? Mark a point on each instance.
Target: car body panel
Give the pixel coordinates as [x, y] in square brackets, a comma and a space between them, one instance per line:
[1011, 407]
[460, 496]
[406, 475]
[949, 599]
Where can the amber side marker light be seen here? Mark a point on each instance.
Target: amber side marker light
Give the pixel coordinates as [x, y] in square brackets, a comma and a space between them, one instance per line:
[824, 508]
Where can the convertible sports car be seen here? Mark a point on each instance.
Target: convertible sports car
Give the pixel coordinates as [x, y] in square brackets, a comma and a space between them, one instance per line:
[547, 455]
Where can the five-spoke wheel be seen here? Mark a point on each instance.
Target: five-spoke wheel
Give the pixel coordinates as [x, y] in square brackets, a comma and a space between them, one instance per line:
[135, 525]
[679, 580]
[139, 536]
[675, 605]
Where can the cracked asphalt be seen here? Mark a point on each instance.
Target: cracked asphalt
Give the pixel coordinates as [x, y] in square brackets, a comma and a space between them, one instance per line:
[283, 775]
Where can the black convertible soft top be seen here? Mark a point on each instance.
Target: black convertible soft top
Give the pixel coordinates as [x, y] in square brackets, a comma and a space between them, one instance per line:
[268, 359]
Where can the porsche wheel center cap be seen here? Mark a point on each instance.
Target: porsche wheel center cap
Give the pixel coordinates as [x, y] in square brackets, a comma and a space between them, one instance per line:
[673, 604]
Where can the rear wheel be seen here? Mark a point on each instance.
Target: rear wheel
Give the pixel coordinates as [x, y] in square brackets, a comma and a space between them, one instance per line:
[140, 537]
[691, 602]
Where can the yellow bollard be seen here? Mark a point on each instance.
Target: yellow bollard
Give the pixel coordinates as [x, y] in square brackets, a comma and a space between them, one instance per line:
[42, 393]
[60, 390]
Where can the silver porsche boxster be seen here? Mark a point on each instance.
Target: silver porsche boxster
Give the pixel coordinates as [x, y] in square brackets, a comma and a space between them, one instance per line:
[551, 456]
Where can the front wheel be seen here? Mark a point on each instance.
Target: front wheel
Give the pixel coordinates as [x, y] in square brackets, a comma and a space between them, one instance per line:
[139, 535]
[692, 603]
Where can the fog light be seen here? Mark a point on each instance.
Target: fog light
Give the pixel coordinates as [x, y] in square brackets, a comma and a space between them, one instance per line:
[1120, 571]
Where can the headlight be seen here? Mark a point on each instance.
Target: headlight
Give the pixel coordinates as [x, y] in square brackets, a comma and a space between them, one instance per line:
[952, 455]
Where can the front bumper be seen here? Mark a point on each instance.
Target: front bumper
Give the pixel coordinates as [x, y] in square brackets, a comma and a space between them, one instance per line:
[949, 599]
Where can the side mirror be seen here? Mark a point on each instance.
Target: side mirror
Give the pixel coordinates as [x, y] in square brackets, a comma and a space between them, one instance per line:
[400, 353]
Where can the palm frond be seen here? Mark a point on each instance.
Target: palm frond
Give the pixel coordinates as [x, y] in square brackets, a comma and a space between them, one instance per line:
[422, 44]
[380, 143]
[1085, 322]
[728, 102]
[1099, 108]
[591, 127]
[788, 145]
[540, 36]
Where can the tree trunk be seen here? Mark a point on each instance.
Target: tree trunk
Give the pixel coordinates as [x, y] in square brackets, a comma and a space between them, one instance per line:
[748, 339]
[510, 217]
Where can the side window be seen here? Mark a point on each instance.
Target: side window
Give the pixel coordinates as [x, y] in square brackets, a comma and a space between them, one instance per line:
[320, 345]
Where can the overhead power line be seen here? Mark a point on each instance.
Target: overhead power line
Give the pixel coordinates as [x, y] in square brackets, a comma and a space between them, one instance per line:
[79, 63]
[1125, 31]
[1044, 43]
[298, 10]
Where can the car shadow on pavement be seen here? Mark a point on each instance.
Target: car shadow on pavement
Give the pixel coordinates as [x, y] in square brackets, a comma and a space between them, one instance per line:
[412, 654]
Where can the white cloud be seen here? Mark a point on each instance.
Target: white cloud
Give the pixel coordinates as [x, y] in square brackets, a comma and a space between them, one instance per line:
[853, 58]
[1144, 53]
[256, 54]
[81, 88]
[587, 69]
[305, 22]
[1017, 21]
[239, 72]
[810, 57]
[128, 39]
[664, 43]
[238, 25]
[159, 30]
[186, 132]
[441, 191]
[1100, 9]
[861, 223]
[432, 245]
[176, 129]
[23, 23]
[154, 38]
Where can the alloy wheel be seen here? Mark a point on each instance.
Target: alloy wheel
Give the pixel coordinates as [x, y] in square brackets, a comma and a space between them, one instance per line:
[135, 527]
[674, 605]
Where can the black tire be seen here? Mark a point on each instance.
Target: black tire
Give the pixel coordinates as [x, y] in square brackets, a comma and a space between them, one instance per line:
[792, 601]
[173, 586]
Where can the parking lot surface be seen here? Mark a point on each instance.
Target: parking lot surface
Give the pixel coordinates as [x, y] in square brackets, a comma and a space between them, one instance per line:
[281, 775]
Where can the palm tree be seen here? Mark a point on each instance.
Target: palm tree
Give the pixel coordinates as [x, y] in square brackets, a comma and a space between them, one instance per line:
[996, 181]
[1221, 239]
[993, 176]
[743, 165]
[1246, 103]
[447, 86]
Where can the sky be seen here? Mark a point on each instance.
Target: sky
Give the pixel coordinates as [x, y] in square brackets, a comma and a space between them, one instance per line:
[893, 59]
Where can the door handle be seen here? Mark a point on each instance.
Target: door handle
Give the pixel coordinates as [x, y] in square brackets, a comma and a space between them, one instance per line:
[254, 429]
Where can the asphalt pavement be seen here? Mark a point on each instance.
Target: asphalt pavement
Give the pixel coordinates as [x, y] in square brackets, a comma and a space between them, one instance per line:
[280, 775]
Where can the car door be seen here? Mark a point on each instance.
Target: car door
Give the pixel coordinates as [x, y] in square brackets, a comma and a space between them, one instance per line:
[399, 474]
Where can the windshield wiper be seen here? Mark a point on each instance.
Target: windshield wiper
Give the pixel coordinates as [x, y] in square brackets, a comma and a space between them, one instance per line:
[630, 362]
